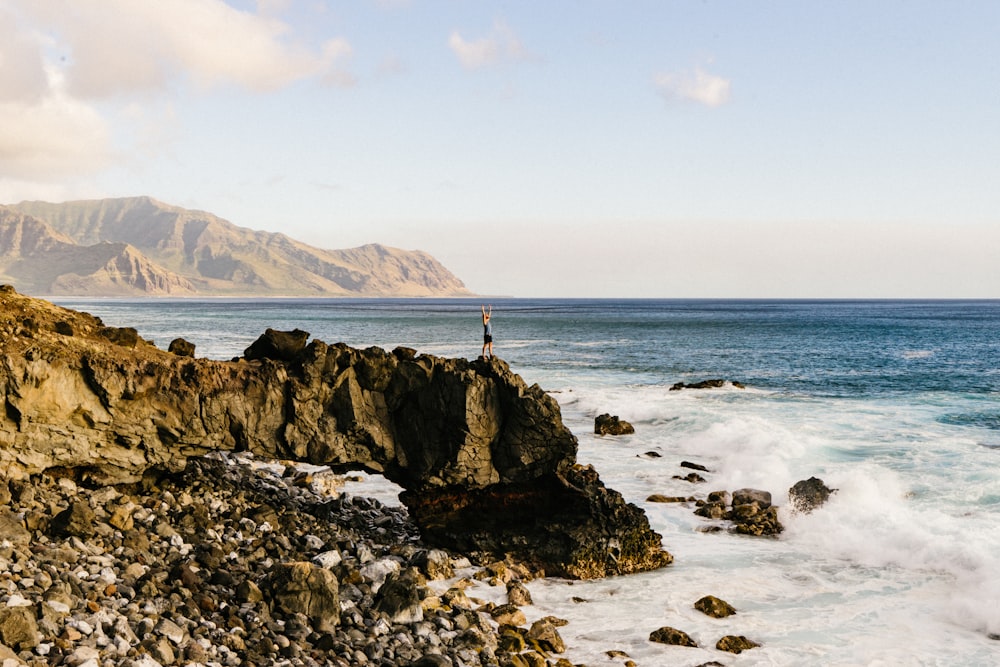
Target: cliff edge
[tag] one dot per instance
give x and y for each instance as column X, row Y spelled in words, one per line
column 488, row 466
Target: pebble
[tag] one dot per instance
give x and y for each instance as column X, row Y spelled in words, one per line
column 175, row 568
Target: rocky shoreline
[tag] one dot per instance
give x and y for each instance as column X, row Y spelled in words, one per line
column 233, row 563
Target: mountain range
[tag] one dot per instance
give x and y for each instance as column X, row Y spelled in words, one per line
column 139, row 246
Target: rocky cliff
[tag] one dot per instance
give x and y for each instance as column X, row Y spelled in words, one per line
column 487, row 464
column 197, row 252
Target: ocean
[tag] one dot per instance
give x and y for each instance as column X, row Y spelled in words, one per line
column 896, row 404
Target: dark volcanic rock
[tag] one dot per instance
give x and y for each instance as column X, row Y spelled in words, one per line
column 277, row 345
column 705, row 384
column 181, row 347
column 487, row 462
column 808, row 494
column 611, row 425
column 568, row 524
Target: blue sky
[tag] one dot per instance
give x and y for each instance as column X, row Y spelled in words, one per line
column 584, row 148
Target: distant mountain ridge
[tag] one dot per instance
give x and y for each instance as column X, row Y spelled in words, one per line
column 140, row 246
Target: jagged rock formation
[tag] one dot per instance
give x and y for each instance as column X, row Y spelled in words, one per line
column 183, row 251
column 487, row 463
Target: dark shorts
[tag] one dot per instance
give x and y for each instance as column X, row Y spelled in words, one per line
column 487, row 339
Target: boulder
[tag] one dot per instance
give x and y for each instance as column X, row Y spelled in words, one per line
column 399, row 598
column 672, row 637
column 714, row 607
column 747, row 496
column 76, row 520
column 808, row 494
column 277, row 345
column 18, row 628
column 304, row 588
column 12, row 528
column 181, row 348
column 735, row 644
column 611, row 425
column 544, row 634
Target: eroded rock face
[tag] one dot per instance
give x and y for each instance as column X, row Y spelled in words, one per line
column 487, row 462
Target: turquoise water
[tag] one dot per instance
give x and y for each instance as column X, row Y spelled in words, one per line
column 895, row 403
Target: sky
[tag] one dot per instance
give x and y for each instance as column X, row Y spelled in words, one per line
column 567, row 148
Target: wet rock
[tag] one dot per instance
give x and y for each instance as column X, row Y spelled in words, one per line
column 672, row 636
column 705, row 384
column 544, row 634
column 508, row 614
column 714, row 607
column 434, row 563
column 694, row 466
column 607, row 424
column 660, row 498
column 518, row 594
column 747, row 496
column 735, row 644
column 808, row 494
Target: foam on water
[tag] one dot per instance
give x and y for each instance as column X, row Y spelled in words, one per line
column 903, row 554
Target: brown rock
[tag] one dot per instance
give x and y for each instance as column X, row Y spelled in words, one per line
column 77, row 520
column 545, row 635
column 735, row 644
column 672, row 636
column 303, row 588
column 18, row 628
column 611, row 425
column 714, row 607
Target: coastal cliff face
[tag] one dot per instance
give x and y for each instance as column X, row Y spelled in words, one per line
column 487, row 464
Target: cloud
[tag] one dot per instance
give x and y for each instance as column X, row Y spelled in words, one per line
column 51, row 138
column 122, row 46
column 66, row 66
column 699, row 87
column 500, row 44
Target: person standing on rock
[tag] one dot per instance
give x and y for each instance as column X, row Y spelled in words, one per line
column 487, row 331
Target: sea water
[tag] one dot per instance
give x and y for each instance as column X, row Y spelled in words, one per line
column 896, row 404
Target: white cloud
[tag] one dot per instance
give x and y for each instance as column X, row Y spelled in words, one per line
column 121, row 46
column 699, row 87
column 500, row 44
column 65, row 66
